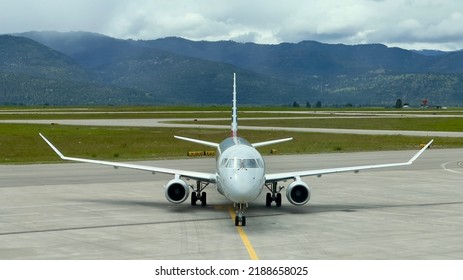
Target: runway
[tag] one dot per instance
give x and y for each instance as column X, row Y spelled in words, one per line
column 81, row 211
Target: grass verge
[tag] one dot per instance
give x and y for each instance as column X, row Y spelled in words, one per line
column 20, row 143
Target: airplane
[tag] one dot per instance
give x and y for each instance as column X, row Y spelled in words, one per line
column 240, row 173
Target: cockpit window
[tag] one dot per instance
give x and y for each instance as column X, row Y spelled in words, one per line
column 239, row 163
column 232, row 163
column 249, row 163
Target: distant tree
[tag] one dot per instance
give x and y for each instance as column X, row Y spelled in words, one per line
column 296, row 105
column 398, row 104
column 307, row 105
column 319, row 104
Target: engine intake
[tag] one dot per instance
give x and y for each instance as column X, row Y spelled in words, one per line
column 177, row 191
column 298, row 193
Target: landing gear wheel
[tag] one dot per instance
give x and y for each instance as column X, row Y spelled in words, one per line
column 240, row 219
column 198, row 194
column 203, row 199
column 278, row 200
column 240, row 222
column 194, row 198
column 273, row 195
column 268, row 200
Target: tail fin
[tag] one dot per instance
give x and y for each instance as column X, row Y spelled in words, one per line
column 234, row 124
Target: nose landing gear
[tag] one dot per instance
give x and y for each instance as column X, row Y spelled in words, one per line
column 240, row 219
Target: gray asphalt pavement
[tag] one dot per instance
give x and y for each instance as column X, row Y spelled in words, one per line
column 81, row 211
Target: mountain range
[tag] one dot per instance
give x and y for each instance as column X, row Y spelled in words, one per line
column 80, row 68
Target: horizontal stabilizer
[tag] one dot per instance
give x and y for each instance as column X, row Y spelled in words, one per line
column 202, row 142
column 266, row 143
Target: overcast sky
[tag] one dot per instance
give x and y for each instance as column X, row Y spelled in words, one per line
column 411, row 24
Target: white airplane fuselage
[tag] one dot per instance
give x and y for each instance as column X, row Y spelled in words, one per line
column 240, row 170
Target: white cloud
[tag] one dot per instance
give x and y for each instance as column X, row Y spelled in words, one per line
column 405, row 23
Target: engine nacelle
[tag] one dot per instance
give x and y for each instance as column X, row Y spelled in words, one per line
column 298, row 193
column 177, row 191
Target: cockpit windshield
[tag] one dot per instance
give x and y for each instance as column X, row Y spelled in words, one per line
column 239, row 163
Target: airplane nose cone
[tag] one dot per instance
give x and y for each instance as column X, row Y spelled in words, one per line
column 244, row 187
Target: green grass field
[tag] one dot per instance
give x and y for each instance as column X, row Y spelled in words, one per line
column 20, row 143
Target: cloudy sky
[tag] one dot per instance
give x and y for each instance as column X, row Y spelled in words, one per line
column 411, row 24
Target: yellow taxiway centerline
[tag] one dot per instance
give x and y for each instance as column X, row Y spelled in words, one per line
column 244, row 237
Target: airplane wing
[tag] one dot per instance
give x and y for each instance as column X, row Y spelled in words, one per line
column 206, row 177
column 292, row 175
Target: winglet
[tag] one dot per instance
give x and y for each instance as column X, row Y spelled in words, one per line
column 420, row 152
column 53, row 147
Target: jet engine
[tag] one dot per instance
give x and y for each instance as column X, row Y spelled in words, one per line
column 177, row 191
column 298, row 193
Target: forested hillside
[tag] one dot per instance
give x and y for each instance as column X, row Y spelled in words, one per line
column 79, row 68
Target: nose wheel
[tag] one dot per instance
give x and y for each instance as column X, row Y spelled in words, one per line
column 240, row 219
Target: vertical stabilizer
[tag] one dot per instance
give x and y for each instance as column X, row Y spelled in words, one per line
column 234, row 124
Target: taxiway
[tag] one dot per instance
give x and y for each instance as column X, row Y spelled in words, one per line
column 170, row 123
column 81, row 211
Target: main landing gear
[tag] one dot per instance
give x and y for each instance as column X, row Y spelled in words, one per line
column 198, row 194
column 273, row 195
column 240, row 219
